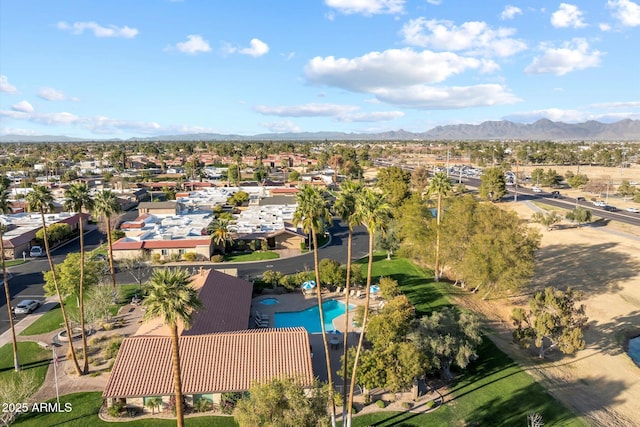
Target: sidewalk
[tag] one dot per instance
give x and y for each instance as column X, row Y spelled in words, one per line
column 28, row 319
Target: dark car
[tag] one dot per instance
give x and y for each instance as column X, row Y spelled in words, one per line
column 556, row 195
column 610, row 208
column 580, row 199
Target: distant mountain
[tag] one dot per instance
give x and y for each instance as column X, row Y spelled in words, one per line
column 543, row 129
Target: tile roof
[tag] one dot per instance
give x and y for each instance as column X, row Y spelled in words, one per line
column 225, row 362
column 226, row 304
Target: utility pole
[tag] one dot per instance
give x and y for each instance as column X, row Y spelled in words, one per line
column 515, row 182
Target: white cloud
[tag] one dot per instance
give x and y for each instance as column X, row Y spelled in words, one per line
column 390, row 68
column 367, row 7
column 257, row 48
column 569, row 116
column 625, row 104
column 604, row 26
column 444, row 98
column 195, row 44
column 626, row 11
column 7, row 87
column 474, row 37
column 434, row 2
column 573, row 55
column 568, row 15
column 305, row 110
column 510, row 12
column 280, row 127
column 51, row 94
column 23, row 106
column 98, row 30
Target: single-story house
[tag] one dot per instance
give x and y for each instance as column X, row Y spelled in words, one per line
column 218, row 354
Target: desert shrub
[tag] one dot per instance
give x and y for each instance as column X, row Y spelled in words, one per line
column 190, row 256
column 228, row 402
column 112, row 349
column 116, row 409
column 217, row 258
column 406, row 405
column 202, row 405
column 174, row 257
column 157, row 258
column 380, row 403
column 431, row 404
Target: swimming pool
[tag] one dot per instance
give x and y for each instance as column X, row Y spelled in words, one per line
column 310, row 318
column 634, row 350
column 269, row 301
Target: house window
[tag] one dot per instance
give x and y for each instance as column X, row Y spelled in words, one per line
column 149, row 399
column 181, row 251
column 164, row 252
column 208, row 397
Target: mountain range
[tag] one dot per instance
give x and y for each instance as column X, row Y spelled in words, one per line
column 544, row 129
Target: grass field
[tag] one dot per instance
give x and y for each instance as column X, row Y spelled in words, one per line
column 253, row 256
column 31, row 357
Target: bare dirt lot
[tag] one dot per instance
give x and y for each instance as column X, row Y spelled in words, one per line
column 600, row 382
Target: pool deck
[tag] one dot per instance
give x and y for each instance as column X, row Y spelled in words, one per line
column 296, row 301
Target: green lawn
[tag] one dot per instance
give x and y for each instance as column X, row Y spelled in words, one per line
column 13, row 262
column 493, row 390
column 254, row 256
column 31, row 357
column 84, row 412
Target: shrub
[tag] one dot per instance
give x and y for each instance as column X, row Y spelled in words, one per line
column 228, row 402
column 157, row 258
column 217, row 258
column 202, row 405
column 431, row 404
column 112, row 349
column 190, row 256
column 116, row 409
column 380, row 403
column 406, row 405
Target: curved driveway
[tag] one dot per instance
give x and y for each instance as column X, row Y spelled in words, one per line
column 27, row 282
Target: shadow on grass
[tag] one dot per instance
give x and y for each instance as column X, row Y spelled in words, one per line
column 593, row 269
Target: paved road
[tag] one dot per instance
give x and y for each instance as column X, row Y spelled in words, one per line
column 27, row 282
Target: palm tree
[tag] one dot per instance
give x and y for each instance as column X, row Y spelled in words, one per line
column 5, row 208
column 41, row 200
column 345, row 207
column 372, row 211
column 312, row 213
column 170, row 297
column 439, row 185
column 78, row 198
column 106, row 205
column 220, row 234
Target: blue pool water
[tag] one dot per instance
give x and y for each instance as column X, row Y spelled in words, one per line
column 634, row 349
column 269, row 301
column 310, row 318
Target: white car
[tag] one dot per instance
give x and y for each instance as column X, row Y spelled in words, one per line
column 599, row 203
column 36, row 251
column 26, row 306
column 633, row 210
column 537, row 189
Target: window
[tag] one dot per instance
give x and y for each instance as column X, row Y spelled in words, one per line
column 164, row 252
column 181, row 251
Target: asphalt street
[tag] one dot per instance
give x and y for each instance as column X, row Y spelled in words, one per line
column 27, row 281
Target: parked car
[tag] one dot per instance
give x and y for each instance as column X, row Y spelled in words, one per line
column 633, row 210
column 537, row 189
column 26, row 306
column 36, row 251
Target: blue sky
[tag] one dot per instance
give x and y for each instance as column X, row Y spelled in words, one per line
column 121, row 68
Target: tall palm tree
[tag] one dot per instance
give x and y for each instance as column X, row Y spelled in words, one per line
column 372, row 211
column 78, row 198
column 5, row 208
column 106, row 205
column 441, row 186
column 41, row 200
column 170, row 297
column 345, row 207
column 220, row 234
column 312, row 213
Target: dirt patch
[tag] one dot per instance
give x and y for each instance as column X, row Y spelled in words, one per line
column 600, row 382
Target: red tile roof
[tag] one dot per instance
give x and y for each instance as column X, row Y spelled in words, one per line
column 226, row 362
column 125, row 245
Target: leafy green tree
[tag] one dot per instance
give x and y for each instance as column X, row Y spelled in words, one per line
column 106, row 205
column 392, row 323
column 172, row 299
column 330, row 272
column 537, row 175
column 577, row 181
column 419, row 179
column 388, row 242
column 373, row 211
column 551, row 178
column 41, row 200
column 312, row 213
column 273, row 277
column 233, row 174
column 79, row 199
column 625, row 189
column 579, row 215
column 5, row 208
column 55, row 233
column 493, row 185
column 67, row 274
column 412, row 225
column 169, row 193
column 458, row 228
column 283, row 403
column 394, row 182
column 440, row 186
column 547, row 219
column 389, row 288
column 552, row 321
column 294, row 176
column 448, row 338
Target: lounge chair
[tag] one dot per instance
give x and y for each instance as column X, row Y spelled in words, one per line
column 262, row 317
column 339, row 290
column 262, row 323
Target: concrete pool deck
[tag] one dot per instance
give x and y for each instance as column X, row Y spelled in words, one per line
column 296, row 301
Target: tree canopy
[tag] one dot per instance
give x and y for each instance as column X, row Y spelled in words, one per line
column 394, row 182
column 554, row 320
column 493, row 184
